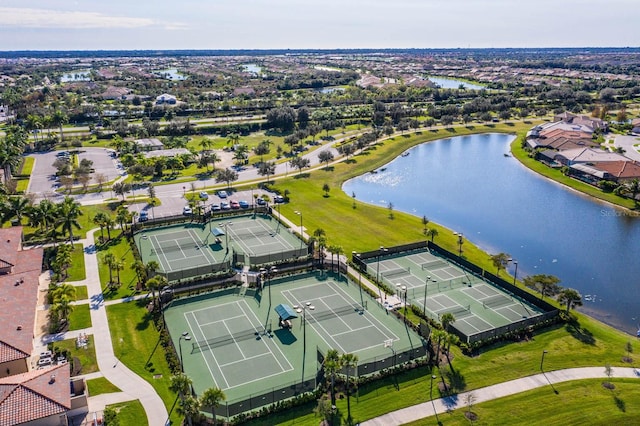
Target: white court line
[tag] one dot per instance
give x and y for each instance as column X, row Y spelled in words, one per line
column 472, row 326
column 193, row 333
column 220, row 320
column 216, row 308
column 158, row 253
column 353, row 329
column 235, row 342
column 199, row 243
column 246, row 359
column 319, row 334
column 279, row 350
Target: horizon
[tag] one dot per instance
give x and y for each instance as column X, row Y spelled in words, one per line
column 69, row 25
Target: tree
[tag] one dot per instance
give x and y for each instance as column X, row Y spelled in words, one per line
column 141, row 271
column 570, row 297
column 227, row 175
column 332, row 364
column 109, row 260
column 547, row 285
column 326, row 189
column 325, row 157
column 349, row 361
column 101, row 219
column 110, row 417
column 233, row 139
column 69, row 212
column 436, row 338
column 446, row 320
column 11, row 149
column 629, row 348
column 500, row 261
column 299, row 163
column 181, row 384
column 262, row 149
column 121, row 188
column 211, row 398
column 390, row 208
column 431, row 232
column 156, row 283
column 267, row 169
column 425, row 222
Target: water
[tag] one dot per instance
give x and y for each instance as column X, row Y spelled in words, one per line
column 171, row 74
column 253, row 69
column 468, row 185
column 450, row 83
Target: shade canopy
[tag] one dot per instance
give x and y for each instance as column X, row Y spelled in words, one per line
column 285, row 312
column 217, row 232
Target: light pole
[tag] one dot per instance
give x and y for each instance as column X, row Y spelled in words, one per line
column 269, row 273
column 353, row 259
column 460, row 241
column 382, row 250
column 515, row 274
column 404, row 291
column 185, row 336
column 226, row 235
column 301, row 237
column 426, row 285
column 542, row 360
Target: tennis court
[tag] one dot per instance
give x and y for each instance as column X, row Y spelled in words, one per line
column 238, row 345
column 197, row 249
column 433, row 283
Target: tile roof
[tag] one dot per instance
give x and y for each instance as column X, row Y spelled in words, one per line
column 18, row 296
column 34, row 395
column 620, row 169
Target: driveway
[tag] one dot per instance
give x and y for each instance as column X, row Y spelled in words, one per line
column 627, row 143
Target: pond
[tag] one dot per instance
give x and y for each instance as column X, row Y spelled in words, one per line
column 84, row 75
column 472, row 185
column 450, row 83
column 171, row 74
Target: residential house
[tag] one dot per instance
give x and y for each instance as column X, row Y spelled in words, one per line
column 166, row 99
column 149, row 144
column 19, row 278
column 115, row 93
column 580, row 156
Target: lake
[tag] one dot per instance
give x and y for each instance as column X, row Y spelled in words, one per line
column 450, row 83
column 468, row 185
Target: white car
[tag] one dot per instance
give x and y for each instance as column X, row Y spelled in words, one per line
column 187, row 210
column 204, row 195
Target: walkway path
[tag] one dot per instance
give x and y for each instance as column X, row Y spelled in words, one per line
column 442, row 405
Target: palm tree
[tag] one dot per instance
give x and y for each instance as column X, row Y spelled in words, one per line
column 18, row 207
column 154, row 283
column 425, row 222
column 233, row 139
column 181, row 384
column 212, row 398
column 141, row 271
column 267, row 169
column 332, row 365
column 431, row 232
column 570, row 298
column 123, row 217
column 189, row 408
column 349, row 361
column 446, row 320
column 450, row 339
column 109, row 260
column 436, row 337
column 69, row 212
column 100, row 219
column 11, row 149
column 118, row 266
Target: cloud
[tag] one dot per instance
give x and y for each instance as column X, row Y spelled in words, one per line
column 44, row 18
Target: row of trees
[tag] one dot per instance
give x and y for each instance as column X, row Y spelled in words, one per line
column 190, row 406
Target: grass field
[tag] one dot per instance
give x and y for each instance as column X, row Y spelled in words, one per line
column 81, row 292
column 76, row 271
column 122, row 251
column 101, row 385
column 80, row 317
column 136, row 343
column 584, row 402
column 86, row 355
column 130, row 413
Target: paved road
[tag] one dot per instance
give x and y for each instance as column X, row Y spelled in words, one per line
column 442, row 405
column 627, row 143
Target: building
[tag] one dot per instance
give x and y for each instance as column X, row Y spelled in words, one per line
column 166, row 99
column 580, row 156
column 151, row 144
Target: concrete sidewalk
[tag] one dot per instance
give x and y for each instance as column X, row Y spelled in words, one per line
column 442, row 405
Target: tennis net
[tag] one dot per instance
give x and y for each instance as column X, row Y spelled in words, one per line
column 176, row 247
column 253, row 234
column 396, row 272
column 434, row 264
column 216, row 342
column 458, row 312
column 497, row 301
column 334, row 313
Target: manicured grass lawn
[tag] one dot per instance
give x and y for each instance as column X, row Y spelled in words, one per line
column 136, row 344
column 101, row 385
column 130, row 413
column 584, row 402
column 22, row 185
column 121, row 249
column 80, row 317
column 76, row 271
column 85, row 221
column 81, row 292
column 86, row 355
column 27, row 166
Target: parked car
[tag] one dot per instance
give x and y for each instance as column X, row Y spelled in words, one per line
column 223, row 194
column 144, row 216
column 243, row 204
column 204, row 195
column 225, row 206
column 261, row 201
column 215, row 207
column 187, row 210
column 278, row 199
column 235, row 204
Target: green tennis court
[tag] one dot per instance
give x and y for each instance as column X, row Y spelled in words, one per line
column 433, row 283
column 238, row 344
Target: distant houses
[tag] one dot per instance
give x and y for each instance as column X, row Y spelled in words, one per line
column 571, row 142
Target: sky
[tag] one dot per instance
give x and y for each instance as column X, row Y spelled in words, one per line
column 315, row 24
